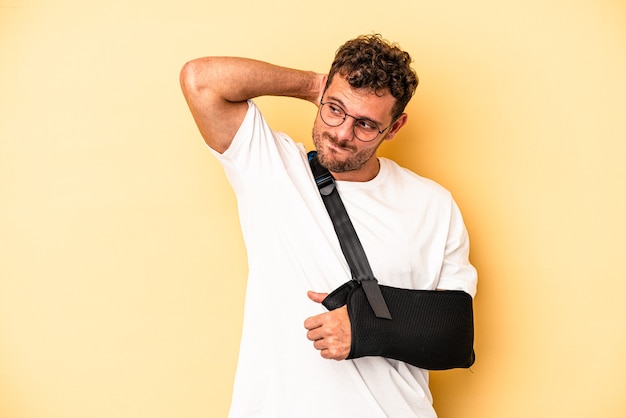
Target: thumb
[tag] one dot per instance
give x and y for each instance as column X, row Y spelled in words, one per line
column 316, row 297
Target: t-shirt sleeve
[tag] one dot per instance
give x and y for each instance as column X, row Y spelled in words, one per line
column 258, row 156
column 457, row 273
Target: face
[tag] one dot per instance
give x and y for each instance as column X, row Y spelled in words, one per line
column 338, row 149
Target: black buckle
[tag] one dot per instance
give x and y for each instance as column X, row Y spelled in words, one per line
column 325, row 183
column 324, row 180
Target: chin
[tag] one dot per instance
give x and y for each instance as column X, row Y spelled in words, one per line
column 331, row 163
column 339, row 160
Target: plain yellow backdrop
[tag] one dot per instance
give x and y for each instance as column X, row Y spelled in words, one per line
column 122, row 269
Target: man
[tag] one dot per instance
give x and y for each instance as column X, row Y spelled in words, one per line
column 410, row 228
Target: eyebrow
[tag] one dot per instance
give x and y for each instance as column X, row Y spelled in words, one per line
column 359, row 117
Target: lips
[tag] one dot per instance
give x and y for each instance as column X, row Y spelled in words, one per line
column 336, row 146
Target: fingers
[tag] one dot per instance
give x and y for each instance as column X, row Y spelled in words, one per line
column 313, row 322
column 328, row 348
column 328, row 353
column 315, row 335
column 330, row 333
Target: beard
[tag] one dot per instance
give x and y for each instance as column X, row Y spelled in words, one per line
column 330, row 159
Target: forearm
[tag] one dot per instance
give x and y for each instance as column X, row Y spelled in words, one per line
column 239, row 79
column 217, row 88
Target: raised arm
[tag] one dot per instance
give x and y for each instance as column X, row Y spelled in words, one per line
column 217, row 88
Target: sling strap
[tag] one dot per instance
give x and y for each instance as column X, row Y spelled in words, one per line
column 348, row 238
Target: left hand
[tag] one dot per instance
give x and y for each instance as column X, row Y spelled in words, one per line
column 329, row 331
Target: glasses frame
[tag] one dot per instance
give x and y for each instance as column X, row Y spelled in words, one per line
column 345, row 115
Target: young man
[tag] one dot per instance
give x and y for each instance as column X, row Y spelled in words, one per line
column 410, row 228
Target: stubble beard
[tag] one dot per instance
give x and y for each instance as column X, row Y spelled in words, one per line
column 326, row 157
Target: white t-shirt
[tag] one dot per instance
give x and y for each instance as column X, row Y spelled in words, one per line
column 414, row 236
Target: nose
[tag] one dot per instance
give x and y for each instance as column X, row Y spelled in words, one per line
column 345, row 131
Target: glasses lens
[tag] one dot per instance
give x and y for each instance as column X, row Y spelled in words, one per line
column 365, row 130
column 332, row 115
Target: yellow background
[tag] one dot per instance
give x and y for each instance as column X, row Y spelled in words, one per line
column 122, row 268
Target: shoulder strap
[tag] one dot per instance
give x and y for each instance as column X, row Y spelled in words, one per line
column 348, row 238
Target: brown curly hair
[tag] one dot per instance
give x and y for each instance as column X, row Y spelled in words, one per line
column 371, row 62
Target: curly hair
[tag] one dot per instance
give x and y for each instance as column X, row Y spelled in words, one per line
column 371, row 62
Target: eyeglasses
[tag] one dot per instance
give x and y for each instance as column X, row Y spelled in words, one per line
column 364, row 130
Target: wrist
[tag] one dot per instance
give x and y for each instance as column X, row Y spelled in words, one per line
column 318, row 85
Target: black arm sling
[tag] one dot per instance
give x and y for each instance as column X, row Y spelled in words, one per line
column 429, row 329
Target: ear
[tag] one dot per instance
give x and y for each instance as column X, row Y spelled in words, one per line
column 395, row 127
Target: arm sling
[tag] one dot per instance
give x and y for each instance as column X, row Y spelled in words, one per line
column 430, row 329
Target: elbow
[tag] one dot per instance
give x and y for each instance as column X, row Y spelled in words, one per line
column 190, row 78
column 199, row 80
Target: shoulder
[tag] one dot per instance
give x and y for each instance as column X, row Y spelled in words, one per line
column 254, row 137
column 410, row 182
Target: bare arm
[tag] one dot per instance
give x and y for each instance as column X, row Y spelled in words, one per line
column 217, row 90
